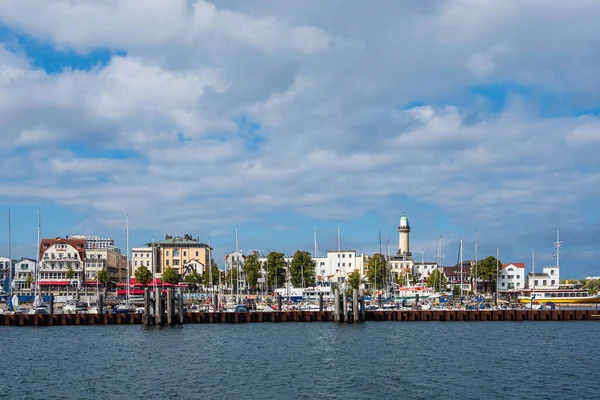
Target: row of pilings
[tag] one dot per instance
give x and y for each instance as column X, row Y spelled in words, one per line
column 297, row 316
column 349, row 310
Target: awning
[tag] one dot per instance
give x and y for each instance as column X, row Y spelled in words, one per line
column 92, row 283
column 48, row 283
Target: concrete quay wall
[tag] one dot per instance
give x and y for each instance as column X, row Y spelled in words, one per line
column 305, row 316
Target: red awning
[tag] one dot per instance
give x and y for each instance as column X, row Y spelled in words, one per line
column 48, row 283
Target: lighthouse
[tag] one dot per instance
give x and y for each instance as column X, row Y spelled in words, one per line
column 404, row 232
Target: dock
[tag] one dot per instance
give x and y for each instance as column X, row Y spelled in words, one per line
column 301, row 316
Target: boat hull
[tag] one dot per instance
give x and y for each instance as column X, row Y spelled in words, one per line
column 562, row 300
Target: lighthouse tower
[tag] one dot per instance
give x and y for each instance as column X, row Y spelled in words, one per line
column 404, row 232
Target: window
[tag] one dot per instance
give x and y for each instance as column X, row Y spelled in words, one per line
column 349, row 264
column 518, row 276
column 343, row 264
column 545, row 282
column 343, row 256
column 147, row 263
column 167, row 262
column 167, row 252
column 511, row 277
column 135, row 263
column 503, row 284
column 553, row 282
column 175, row 262
column 196, row 254
column 536, row 282
column 175, row 253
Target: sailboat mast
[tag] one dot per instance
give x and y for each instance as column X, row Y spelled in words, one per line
column 210, row 268
column 237, row 289
column 10, row 273
column 441, row 259
column 37, row 256
column 476, row 259
column 557, row 247
column 128, row 259
column 461, row 270
column 153, row 267
column 497, row 269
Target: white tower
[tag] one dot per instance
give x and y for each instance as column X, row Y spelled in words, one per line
column 404, row 231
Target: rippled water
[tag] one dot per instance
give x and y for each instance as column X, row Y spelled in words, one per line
column 412, row 360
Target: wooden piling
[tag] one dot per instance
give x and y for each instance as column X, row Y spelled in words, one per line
column 355, row 305
column 158, row 309
column 336, row 315
column 169, row 306
column 51, row 304
column 362, row 305
column 180, row 305
column 147, row 306
column 320, row 302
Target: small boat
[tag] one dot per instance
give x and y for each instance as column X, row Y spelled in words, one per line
column 124, row 307
column 74, row 307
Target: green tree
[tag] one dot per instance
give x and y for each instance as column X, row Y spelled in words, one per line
column 232, row 276
column 277, row 267
column 302, row 266
column 436, row 279
column 143, row 275
column 487, row 272
column 70, row 273
column 103, row 276
column 29, row 279
column 251, row 269
column 194, row 279
column 593, row 286
column 378, row 271
column 169, row 275
column 354, row 279
column 406, row 279
column 216, row 275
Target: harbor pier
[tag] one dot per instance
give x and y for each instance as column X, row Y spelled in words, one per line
column 301, row 316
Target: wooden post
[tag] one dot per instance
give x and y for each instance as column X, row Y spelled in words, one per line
column 51, row 304
column 100, row 304
column 169, row 306
column 345, row 303
column 355, row 304
column 336, row 312
column 320, row 302
column 279, row 303
column 216, row 302
column 146, row 315
column 180, row 305
column 362, row 305
column 158, row 307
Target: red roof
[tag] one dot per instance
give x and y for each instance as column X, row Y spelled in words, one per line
column 48, row 283
column 518, row 265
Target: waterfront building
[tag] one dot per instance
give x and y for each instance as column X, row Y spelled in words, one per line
column 142, row 256
column 454, row 277
column 5, row 265
column 110, row 260
column 549, row 278
column 177, row 252
column 96, row 242
column 422, row 270
column 24, row 269
column 512, row 277
column 58, row 256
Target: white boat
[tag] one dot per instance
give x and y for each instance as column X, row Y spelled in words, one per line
column 73, row 307
column 124, row 307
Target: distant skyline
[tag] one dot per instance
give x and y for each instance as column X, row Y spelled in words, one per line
column 283, row 117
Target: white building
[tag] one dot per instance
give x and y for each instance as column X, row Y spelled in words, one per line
column 23, row 269
column 4, row 268
column 57, row 257
column 548, row 279
column 422, row 269
column 512, row 277
column 112, row 261
column 142, row 256
column 96, row 242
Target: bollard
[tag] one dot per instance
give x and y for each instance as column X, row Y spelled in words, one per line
column 355, row 304
column 320, row 302
column 336, row 315
column 169, row 306
column 146, row 315
column 180, row 305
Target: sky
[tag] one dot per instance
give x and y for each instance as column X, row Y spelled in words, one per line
column 282, row 118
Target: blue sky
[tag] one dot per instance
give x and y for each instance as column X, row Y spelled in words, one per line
column 195, row 117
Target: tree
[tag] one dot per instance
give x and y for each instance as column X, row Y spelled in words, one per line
column 143, row 275
column 171, row 276
column 194, row 279
column 436, row 279
column 70, row 273
column 302, row 268
column 378, row 271
column 354, row 279
column 103, row 276
column 216, row 275
column 487, row 272
column 277, row 267
column 406, row 279
column 251, row 269
column 232, row 276
column 29, row 280
column 593, row 286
